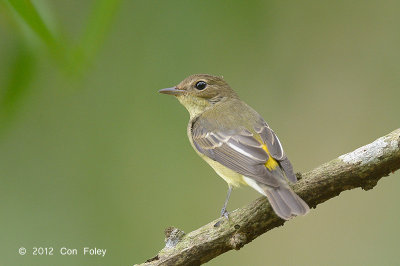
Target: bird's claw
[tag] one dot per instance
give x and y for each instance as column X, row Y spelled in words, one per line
column 224, row 214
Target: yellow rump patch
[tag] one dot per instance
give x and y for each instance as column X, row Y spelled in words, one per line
column 271, row 164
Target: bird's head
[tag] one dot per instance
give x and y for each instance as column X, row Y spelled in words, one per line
column 201, row 91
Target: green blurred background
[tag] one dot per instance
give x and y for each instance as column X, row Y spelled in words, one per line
column 91, row 154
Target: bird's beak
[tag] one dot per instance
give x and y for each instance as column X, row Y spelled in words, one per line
column 171, row 91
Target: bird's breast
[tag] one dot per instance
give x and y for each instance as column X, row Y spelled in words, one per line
column 231, row 177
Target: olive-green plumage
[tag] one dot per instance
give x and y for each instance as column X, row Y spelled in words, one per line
column 237, row 143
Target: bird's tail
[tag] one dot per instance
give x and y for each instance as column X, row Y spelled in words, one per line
column 283, row 200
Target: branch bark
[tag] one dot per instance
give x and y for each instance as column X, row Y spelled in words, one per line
column 362, row 167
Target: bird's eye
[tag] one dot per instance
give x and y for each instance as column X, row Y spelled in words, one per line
column 201, row 85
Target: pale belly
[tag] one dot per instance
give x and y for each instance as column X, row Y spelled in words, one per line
column 231, row 177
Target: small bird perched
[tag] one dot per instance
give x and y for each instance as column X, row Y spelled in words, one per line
column 237, row 143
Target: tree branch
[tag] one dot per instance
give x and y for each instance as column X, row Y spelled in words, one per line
column 360, row 168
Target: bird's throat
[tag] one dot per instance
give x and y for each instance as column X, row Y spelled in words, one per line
column 194, row 105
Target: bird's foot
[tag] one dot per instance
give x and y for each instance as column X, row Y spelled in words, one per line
column 224, row 214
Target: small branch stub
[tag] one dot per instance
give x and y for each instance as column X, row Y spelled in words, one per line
column 172, row 236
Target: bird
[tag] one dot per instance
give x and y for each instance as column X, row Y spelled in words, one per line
column 237, row 143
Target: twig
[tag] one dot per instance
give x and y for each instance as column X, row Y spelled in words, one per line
column 360, row 168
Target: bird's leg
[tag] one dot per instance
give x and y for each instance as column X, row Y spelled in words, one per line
column 224, row 213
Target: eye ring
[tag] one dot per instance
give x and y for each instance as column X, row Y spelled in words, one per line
column 201, row 85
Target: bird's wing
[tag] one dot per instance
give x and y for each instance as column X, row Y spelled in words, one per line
column 269, row 137
column 275, row 149
column 236, row 149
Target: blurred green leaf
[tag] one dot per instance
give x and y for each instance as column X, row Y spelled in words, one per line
column 74, row 60
column 27, row 11
column 17, row 83
column 93, row 37
column 28, row 18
